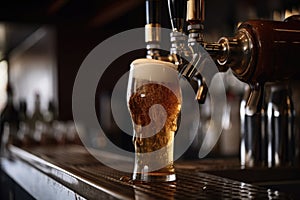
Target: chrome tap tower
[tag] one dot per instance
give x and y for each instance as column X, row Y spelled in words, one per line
column 264, row 54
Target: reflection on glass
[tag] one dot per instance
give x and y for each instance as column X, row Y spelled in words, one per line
column 154, row 102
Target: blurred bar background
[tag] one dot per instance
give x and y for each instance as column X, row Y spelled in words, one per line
column 43, row 43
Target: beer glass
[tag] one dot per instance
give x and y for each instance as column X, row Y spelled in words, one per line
column 154, row 102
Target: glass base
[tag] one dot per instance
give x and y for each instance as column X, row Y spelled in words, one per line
column 154, row 177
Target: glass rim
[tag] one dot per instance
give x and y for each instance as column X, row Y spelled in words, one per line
column 147, row 61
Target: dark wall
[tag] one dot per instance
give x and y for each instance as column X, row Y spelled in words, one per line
column 75, row 41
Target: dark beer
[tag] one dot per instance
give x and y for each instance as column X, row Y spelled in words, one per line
column 140, row 103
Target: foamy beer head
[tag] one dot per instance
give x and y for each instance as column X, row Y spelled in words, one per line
column 154, row 102
column 153, row 86
column 153, row 70
column 145, row 70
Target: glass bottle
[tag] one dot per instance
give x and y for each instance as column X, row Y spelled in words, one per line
column 23, row 132
column 37, row 122
column 50, row 118
column 9, row 116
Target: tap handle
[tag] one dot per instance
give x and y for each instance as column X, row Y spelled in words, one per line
column 195, row 11
column 177, row 11
column 255, row 99
column 153, row 11
column 202, row 89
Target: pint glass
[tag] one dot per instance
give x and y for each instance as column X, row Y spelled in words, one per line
column 154, row 102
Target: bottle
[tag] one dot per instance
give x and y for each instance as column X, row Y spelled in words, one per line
column 23, row 110
column 50, row 118
column 37, row 122
column 51, row 113
column 23, row 132
column 9, row 116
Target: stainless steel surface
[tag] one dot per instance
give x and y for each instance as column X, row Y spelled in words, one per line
column 36, row 183
column 238, row 53
column 268, row 135
column 279, row 123
column 186, row 53
column 254, row 100
column 76, row 169
column 256, row 54
column 251, row 130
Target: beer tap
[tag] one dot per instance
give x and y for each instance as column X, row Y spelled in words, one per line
column 185, row 49
column 257, row 53
column 260, row 51
column 179, row 48
column 234, row 53
column 152, row 28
